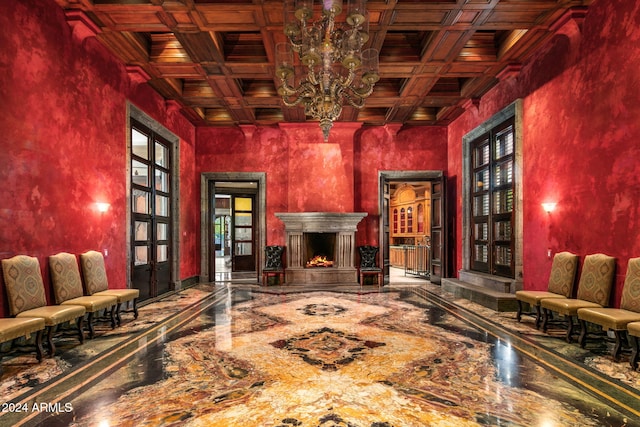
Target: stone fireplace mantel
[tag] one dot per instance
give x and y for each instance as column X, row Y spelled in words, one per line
column 343, row 225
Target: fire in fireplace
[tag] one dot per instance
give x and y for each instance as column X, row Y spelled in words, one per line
column 319, row 261
column 320, row 249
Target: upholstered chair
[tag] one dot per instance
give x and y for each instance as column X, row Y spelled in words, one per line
column 67, row 287
column 616, row 319
column 594, row 289
column 96, row 283
column 25, row 291
column 273, row 265
column 562, row 279
column 369, row 263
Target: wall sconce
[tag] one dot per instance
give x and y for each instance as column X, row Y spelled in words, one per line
column 102, row 206
column 549, row 207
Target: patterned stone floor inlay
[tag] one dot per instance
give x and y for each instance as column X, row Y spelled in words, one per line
column 327, row 348
column 358, row 358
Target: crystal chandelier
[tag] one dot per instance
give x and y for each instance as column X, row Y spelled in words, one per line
column 338, row 70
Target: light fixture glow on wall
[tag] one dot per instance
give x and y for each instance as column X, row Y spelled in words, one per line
column 549, row 206
column 102, row 206
column 338, row 70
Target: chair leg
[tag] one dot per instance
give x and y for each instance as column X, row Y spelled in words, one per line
column 90, row 322
column 39, row 349
column 635, row 351
column 50, row 344
column 519, row 312
column 545, row 320
column 81, row 329
column 538, row 317
column 118, row 316
column 583, row 333
column 618, row 345
column 135, row 308
column 113, row 316
column 569, row 329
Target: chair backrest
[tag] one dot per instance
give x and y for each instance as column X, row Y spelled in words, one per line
column 23, row 281
column 596, row 279
column 368, row 257
column 93, row 272
column 563, row 273
column 273, row 257
column 65, row 277
column 631, row 290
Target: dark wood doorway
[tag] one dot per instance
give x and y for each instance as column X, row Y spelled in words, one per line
column 438, row 233
column 233, row 232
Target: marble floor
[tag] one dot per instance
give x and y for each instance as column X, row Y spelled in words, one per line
column 405, row 355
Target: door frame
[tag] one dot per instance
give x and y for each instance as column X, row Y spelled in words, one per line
column 384, row 177
column 137, row 114
column 209, row 178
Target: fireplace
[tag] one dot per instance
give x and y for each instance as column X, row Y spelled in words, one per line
column 320, row 249
column 325, row 235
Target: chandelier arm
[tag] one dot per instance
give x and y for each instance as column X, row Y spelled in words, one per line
column 358, row 102
column 292, row 103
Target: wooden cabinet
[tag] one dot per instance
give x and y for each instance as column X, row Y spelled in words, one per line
column 409, row 214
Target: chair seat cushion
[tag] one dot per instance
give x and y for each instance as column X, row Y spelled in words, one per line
column 633, row 328
column 534, row 297
column 93, row 303
column 55, row 314
column 12, row 328
column 123, row 295
column 609, row 318
column 567, row 306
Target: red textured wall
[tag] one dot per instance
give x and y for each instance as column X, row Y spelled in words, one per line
column 63, row 122
column 305, row 174
column 581, row 133
column 382, row 149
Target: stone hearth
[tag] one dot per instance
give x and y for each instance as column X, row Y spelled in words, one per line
column 343, row 225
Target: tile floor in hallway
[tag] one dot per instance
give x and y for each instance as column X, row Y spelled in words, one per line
column 243, row 355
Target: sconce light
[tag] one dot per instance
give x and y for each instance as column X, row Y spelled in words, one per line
column 102, row 207
column 549, row 207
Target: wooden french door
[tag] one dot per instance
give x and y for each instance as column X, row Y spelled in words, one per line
column 438, row 231
column 243, row 220
column 493, row 202
column 150, row 212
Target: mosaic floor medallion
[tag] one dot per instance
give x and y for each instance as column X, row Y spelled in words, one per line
column 327, row 348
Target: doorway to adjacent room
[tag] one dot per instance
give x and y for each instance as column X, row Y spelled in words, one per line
column 413, row 225
column 232, row 226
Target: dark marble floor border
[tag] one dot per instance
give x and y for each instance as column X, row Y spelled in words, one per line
column 617, row 394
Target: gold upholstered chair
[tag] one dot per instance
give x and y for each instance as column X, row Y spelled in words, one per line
column 96, row 283
column 25, row 291
column 67, row 287
column 633, row 331
column 616, row 319
column 562, row 279
column 594, row 288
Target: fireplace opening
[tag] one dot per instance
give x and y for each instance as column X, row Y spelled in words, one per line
column 320, row 249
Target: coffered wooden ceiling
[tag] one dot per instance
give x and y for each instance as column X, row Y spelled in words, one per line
column 215, row 59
